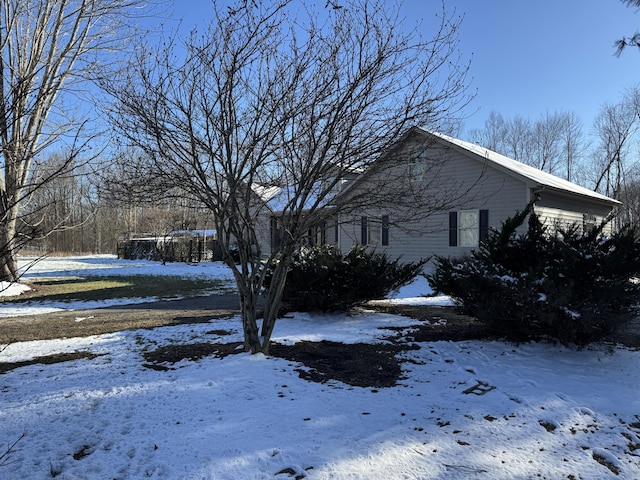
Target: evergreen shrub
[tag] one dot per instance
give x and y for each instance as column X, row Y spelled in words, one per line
column 573, row 287
column 323, row 279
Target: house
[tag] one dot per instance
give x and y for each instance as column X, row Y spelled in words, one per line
column 432, row 194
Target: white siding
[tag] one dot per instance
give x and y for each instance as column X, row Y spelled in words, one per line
column 491, row 190
column 557, row 210
column 494, row 183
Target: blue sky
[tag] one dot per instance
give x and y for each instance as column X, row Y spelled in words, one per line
column 548, row 55
column 529, row 57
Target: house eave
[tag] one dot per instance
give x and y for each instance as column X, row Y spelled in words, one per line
column 596, row 201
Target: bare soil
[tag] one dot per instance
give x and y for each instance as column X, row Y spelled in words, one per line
column 363, row 365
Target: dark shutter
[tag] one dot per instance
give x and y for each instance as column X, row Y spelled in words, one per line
column 336, row 232
column 385, row 230
column 484, row 225
column 364, row 237
column 453, row 229
column 276, row 235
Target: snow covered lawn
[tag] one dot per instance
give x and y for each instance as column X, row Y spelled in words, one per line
column 485, row 410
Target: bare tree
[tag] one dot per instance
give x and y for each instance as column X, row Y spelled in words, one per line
column 282, row 101
column 519, row 142
column 572, row 143
column 615, row 126
column 546, row 143
column 629, row 212
column 493, row 135
column 58, row 205
column 47, row 47
column 554, row 143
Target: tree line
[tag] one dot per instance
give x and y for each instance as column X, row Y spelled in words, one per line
column 94, row 208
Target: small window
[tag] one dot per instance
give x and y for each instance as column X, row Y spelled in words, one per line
column 467, row 228
column 588, row 222
column 336, row 185
column 418, row 166
column 364, row 230
column 375, row 231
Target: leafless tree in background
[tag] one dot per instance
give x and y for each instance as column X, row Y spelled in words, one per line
column 615, row 127
column 285, row 94
column 61, row 203
column 493, row 133
column 553, row 143
column 546, row 135
column 47, row 49
column 572, row 143
column 518, row 142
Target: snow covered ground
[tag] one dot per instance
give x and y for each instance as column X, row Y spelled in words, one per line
column 537, row 410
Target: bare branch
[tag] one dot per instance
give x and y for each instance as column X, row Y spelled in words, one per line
column 48, row 49
column 273, row 108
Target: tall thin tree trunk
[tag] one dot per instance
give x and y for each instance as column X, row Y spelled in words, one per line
column 8, row 261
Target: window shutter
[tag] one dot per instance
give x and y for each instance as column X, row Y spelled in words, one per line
column 453, row 229
column 276, row 235
column 484, row 225
column 364, row 237
column 385, row 230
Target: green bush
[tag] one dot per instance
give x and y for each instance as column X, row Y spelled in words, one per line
column 323, row 279
column 573, row 287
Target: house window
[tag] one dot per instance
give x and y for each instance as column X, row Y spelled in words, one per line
column 317, row 235
column 588, row 222
column 467, row 228
column 418, row 166
column 375, row 230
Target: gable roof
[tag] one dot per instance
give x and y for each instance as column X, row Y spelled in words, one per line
column 528, row 174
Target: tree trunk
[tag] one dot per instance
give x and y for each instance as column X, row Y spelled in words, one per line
column 248, row 308
column 272, row 306
column 255, row 342
column 8, row 261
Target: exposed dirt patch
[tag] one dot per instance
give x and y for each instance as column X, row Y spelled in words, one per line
column 159, row 358
column 48, row 360
column 361, row 364
column 441, row 323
